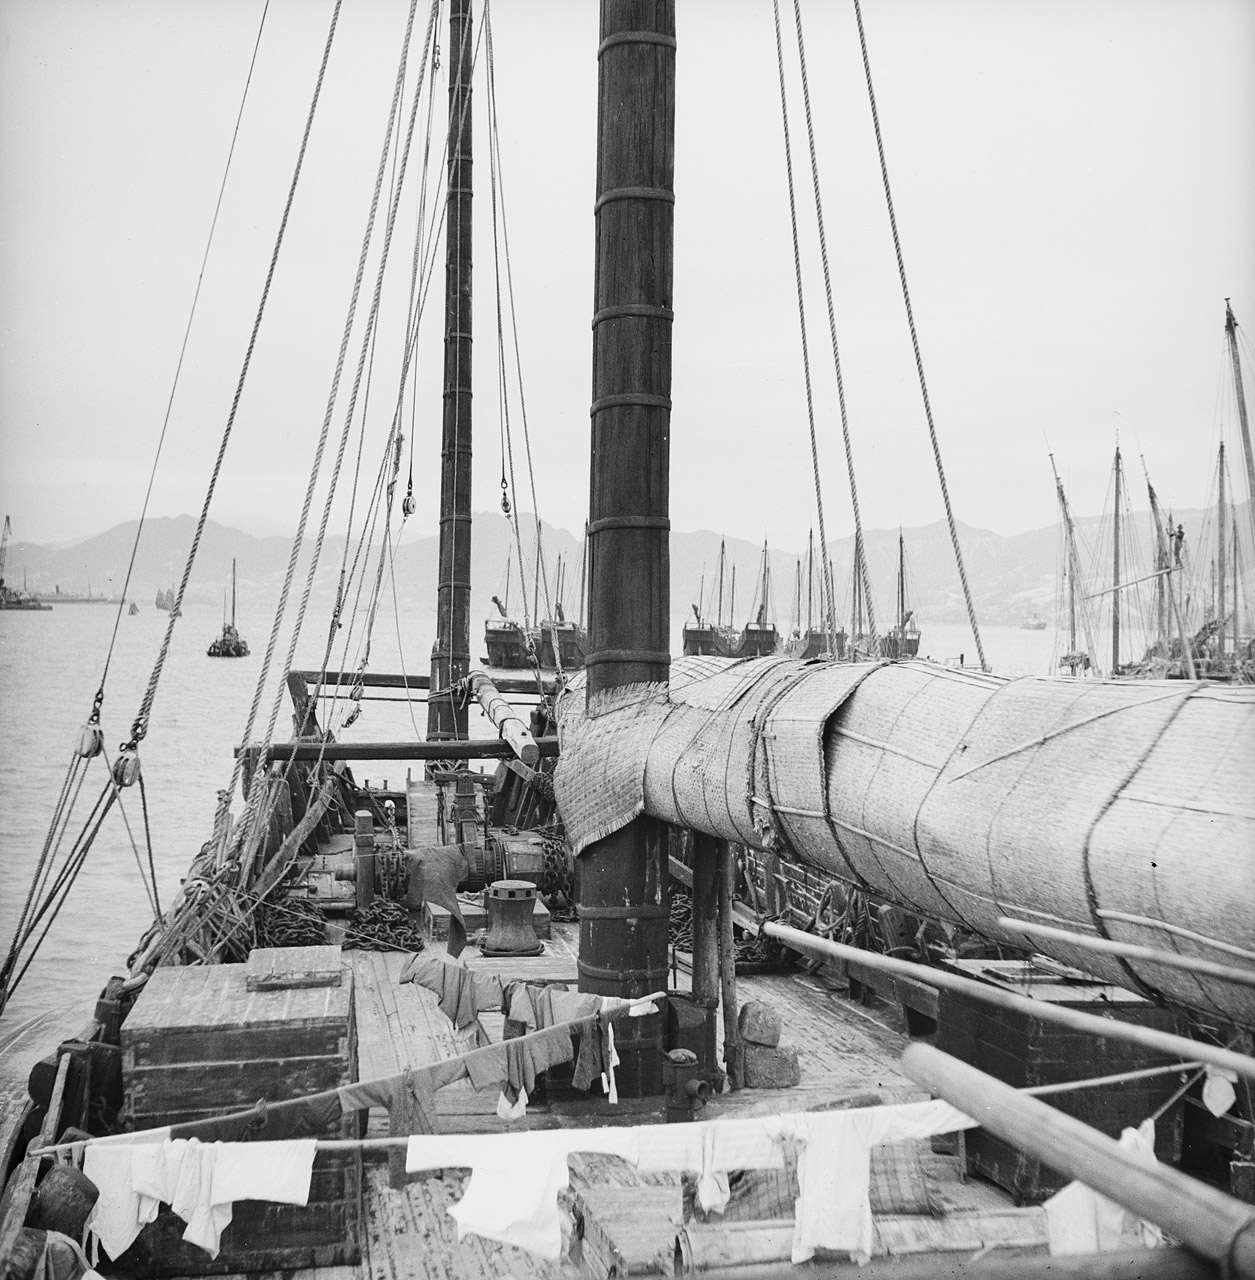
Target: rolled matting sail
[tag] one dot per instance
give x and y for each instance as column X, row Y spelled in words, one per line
column 1118, row 809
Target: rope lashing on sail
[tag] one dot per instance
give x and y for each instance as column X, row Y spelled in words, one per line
column 830, row 621
column 861, row 567
column 919, row 361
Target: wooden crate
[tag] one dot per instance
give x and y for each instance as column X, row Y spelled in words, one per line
column 1024, row 1051
column 199, row 1043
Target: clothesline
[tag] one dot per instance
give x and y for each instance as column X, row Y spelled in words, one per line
column 612, row 1009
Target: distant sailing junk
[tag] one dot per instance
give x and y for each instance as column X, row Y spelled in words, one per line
column 164, row 599
column 757, row 639
column 9, row 598
column 556, row 643
column 230, row 644
column 902, row 642
column 812, row 641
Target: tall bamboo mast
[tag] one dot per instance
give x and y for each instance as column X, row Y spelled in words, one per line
column 623, row 880
column 451, row 654
column 810, row 581
column 1231, row 334
column 1074, row 570
column 1115, row 570
column 1221, row 551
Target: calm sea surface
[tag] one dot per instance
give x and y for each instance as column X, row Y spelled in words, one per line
column 50, row 667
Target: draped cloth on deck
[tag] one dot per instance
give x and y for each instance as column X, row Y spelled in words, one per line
column 1117, row 809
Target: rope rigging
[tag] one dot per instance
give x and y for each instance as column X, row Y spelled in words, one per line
column 919, row 362
column 830, row 616
column 501, row 251
column 861, row 565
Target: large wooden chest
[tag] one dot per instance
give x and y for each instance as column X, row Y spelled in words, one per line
column 1024, row 1051
column 199, row 1042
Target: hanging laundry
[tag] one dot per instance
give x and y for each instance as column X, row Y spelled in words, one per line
column 1218, row 1091
column 1079, row 1220
column 833, row 1209
column 711, row 1149
column 313, row 1117
column 498, row 1203
column 452, row 982
column 528, row 1058
column 199, row 1181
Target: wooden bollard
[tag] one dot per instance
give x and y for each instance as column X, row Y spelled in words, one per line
column 364, row 857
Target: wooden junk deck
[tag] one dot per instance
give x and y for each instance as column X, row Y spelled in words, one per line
column 619, row 1221
column 848, row 1054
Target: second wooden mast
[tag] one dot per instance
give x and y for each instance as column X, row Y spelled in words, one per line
column 451, row 653
column 622, row 880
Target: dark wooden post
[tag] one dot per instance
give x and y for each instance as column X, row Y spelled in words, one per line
column 706, row 873
column 451, row 653
column 733, row 1055
column 623, row 895
column 364, row 858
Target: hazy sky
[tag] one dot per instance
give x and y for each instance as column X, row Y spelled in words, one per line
column 1074, row 183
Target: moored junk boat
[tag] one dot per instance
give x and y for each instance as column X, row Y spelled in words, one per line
column 815, row 723
column 10, row 598
column 230, row 644
column 902, row 640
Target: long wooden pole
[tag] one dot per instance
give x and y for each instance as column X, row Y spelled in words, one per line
column 1208, row 1221
column 1131, row 951
column 706, row 876
column 1231, row 335
column 451, row 653
column 1111, row 1028
column 623, row 879
column 1222, row 548
column 733, row 1052
column 512, row 729
column 1115, row 571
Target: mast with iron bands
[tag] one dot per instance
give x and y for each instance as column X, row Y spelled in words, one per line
column 451, row 654
column 623, row 886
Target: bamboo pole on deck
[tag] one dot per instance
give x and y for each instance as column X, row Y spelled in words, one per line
column 1112, row 1028
column 1132, row 951
column 1211, row 1223
column 733, row 1051
column 706, row 880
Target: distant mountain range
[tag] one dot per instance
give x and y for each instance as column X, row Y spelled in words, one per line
column 1010, row 577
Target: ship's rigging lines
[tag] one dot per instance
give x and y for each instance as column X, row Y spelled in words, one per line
column 860, row 561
